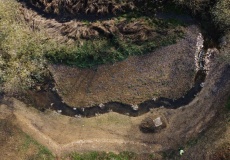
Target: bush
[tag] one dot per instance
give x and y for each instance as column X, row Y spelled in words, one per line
column 22, row 50
column 26, row 49
column 221, row 13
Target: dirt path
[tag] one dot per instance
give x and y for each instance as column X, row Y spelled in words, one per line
column 114, row 132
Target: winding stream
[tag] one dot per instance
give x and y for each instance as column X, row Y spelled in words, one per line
column 55, row 102
column 126, row 109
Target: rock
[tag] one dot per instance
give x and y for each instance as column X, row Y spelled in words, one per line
column 77, row 116
column 135, row 107
column 101, row 105
column 157, row 122
column 152, row 124
column 181, row 152
column 202, row 85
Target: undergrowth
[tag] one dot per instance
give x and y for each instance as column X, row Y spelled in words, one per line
column 93, row 155
column 25, row 51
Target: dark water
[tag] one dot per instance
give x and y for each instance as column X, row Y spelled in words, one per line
column 55, row 102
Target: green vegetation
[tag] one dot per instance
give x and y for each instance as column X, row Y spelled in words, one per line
column 110, row 156
column 221, row 12
column 14, row 140
column 24, row 51
column 102, row 51
column 42, row 152
column 103, row 156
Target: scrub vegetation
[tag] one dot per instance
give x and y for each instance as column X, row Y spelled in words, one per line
column 132, row 29
column 25, row 51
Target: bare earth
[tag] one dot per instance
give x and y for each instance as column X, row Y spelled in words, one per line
column 114, row 132
column 167, row 72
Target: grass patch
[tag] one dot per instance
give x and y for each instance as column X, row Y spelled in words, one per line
column 116, row 48
column 41, row 153
column 111, row 156
column 13, row 139
column 103, row 156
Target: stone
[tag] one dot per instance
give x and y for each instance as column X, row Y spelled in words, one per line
column 101, row 105
column 202, row 85
column 181, row 152
column 152, row 124
column 135, row 107
column 157, row 122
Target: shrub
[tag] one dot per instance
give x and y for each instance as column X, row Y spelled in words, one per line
column 25, row 49
column 221, row 13
column 22, row 48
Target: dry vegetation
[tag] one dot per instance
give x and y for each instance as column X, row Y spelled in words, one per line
column 82, row 6
column 75, row 7
column 24, row 49
column 27, row 40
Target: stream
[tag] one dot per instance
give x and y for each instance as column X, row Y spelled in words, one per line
column 57, row 104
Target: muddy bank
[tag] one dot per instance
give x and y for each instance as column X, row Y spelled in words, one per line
column 48, row 98
column 167, row 72
column 63, row 134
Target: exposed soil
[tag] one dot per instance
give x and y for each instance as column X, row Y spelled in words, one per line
column 114, row 132
column 167, row 72
column 201, row 128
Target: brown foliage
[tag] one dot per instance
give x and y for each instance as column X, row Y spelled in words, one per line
column 82, row 6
